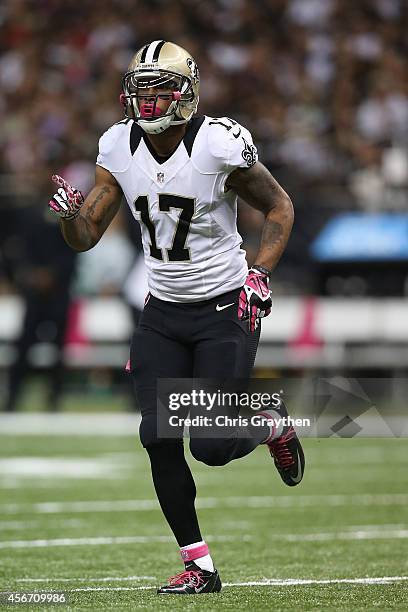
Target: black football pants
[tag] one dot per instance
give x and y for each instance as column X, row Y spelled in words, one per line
column 194, row 340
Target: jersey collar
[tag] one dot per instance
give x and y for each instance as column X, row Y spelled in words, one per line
column 137, row 134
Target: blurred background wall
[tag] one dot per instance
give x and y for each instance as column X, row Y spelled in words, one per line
column 322, row 86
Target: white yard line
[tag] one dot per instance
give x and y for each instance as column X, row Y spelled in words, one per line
column 266, row 583
column 57, row 468
column 138, row 588
column 107, row 540
column 68, row 424
column 103, row 579
column 266, row 501
column 295, row 581
column 361, row 534
column 113, row 424
column 263, row 582
column 37, row 523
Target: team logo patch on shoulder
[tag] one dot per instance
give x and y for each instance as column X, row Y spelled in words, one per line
column 249, row 153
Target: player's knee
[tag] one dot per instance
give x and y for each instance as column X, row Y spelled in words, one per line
column 210, row 452
column 151, row 435
column 165, row 454
column 148, row 432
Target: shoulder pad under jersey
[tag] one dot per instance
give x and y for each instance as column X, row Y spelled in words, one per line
column 114, row 147
column 227, row 146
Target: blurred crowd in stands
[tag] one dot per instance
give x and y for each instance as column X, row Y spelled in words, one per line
column 320, row 83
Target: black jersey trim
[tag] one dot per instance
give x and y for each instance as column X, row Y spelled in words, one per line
column 188, row 140
column 153, row 153
column 191, row 133
column 135, row 137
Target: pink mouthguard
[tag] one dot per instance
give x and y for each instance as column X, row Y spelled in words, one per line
column 146, row 111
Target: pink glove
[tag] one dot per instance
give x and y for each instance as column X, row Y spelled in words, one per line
column 67, row 201
column 255, row 299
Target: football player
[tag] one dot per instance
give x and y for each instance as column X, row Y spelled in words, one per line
column 181, row 174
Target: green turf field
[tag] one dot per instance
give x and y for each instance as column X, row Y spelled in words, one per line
column 77, row 513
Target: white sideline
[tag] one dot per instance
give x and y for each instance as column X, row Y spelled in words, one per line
column 266, row 501
column 106, row 540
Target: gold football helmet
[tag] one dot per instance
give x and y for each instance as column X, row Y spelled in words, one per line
column 160, row 70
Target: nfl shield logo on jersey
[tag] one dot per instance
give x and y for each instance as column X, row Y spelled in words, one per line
column 160, row 177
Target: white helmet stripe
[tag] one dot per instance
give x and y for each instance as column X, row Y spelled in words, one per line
column 151, row 51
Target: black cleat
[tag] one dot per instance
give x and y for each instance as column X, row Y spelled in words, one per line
column 192, row 581
column 286, row 451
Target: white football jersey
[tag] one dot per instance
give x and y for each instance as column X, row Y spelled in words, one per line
column 191, row 244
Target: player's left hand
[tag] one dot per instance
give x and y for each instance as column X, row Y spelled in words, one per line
column 68, row 201
column 255, row 299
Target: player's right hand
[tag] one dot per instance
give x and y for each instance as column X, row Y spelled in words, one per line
column 255, row 301
column 67, row 201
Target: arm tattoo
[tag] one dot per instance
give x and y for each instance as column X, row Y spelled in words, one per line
column 98, row 198
column 99, row 210
column 272, row 233
column 258, row 187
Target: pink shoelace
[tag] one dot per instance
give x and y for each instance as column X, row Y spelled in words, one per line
column 188, row 576
column 280, row 450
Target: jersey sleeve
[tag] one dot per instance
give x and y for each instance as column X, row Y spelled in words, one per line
column 231, row 144
column 114, row 152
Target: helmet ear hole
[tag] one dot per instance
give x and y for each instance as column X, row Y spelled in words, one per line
column 122, row 99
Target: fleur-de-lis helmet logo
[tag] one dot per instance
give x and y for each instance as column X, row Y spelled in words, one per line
column 193, row 69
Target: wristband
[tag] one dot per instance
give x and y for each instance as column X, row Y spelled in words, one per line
column 262, row 270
